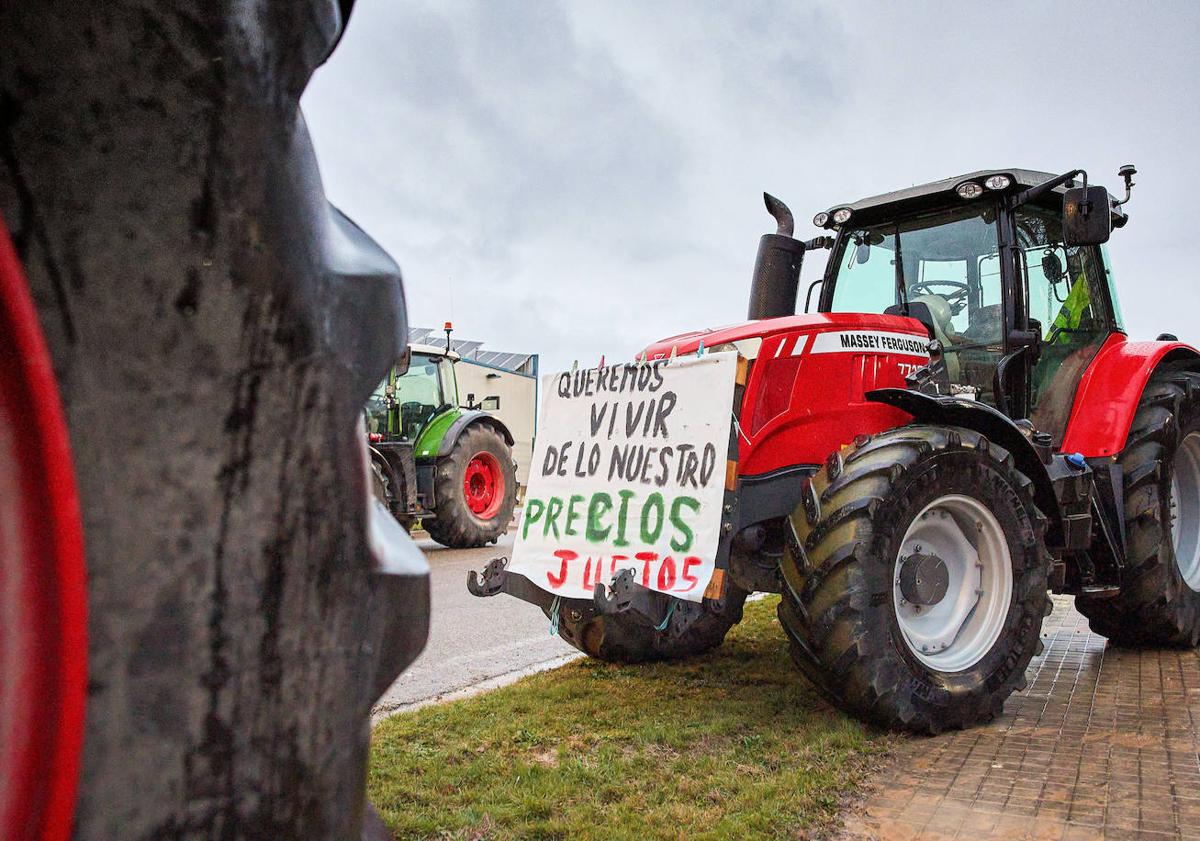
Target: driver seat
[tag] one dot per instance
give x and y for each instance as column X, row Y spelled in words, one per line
column 943, row 330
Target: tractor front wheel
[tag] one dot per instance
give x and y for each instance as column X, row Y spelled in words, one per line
column 1159, row 603
column 915, row 584
column 475, row 487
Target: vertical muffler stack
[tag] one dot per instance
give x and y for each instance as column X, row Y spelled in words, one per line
column 777, row 267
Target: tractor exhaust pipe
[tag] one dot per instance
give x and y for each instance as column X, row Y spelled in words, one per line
column 777, row 267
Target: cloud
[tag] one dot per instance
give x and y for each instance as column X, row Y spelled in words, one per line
column 581, row 178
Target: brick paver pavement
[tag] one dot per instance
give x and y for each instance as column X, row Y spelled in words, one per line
column 1103, row 743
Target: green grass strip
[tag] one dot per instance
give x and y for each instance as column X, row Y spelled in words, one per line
column 732, row 744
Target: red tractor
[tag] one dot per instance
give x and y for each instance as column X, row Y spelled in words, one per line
column 961, row 427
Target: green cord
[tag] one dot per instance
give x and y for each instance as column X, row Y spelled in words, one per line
column 554, row 606
column 662, row 626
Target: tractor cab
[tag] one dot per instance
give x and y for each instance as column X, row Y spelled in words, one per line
column 1018, row 305
column 419, row 389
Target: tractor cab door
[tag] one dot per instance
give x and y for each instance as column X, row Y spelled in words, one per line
column 421, row 395
column 1066, row 290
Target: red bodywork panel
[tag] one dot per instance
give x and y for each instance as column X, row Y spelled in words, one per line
column 1109, row 391
column 805, row 395
column 43, row 602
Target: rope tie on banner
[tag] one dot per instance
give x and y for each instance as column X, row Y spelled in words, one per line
column 662, row 626
column 738, row 427
column 554, row 609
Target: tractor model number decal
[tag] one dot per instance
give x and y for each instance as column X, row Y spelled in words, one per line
column 857, row 341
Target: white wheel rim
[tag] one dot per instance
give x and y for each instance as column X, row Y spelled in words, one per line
column 1185, row 509
column 960, row 629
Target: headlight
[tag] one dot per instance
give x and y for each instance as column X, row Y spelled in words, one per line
column 820, row 219
column 841, row 216
column 968, row 190
column 998, row 182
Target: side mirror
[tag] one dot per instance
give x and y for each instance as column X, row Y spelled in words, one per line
column 403, row 362
column 1087, row 219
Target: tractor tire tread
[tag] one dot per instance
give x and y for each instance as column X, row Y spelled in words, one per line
column 1155, row 606
column 829, row 606
column 629, row 638
column 455, row 525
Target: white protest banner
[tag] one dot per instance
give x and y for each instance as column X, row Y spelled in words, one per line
column 628, row 471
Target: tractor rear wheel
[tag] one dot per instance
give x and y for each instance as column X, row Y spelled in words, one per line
column 915, row 583
column 1159, row 603
column 628, row 638
column 475, row 487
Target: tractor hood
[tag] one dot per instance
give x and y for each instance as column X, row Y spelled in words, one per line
column 747, row 337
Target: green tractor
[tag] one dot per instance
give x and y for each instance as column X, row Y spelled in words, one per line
column 432, row 460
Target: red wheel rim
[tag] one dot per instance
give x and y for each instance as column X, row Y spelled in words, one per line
column 43, row 602
column 483, row 485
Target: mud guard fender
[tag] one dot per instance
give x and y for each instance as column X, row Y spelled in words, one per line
column 466, row 419
column 996, row 426
column 1111, row 387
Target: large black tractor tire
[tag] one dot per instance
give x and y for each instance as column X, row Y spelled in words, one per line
column 1156, row 605
column 381, row 489
column 629, row 638
column 842, row 596
column 456, row 524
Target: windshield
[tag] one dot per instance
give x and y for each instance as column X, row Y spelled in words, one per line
column 949, row 262
column 949, row 265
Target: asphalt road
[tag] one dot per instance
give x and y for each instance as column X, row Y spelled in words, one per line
column 472, row 641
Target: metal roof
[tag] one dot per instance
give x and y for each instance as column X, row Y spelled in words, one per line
column 500, row 359
column 471, row 350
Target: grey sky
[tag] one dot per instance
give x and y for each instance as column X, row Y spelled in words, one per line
column 582, row 178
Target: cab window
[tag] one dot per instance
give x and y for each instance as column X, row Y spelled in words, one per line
column 376, row 409
column 1118, row 318
column 950, row 265
column 1065, row 287
column 419, row 394
column 448, row 383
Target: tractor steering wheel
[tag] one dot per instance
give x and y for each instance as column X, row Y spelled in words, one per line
column 957, row 299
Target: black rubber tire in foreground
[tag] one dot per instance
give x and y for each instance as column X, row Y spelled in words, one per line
column 1155, row 605
column 628, row 638
column 455, row 525
column 838, row 605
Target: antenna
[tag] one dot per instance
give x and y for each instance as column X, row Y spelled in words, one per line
column 1127, row 172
